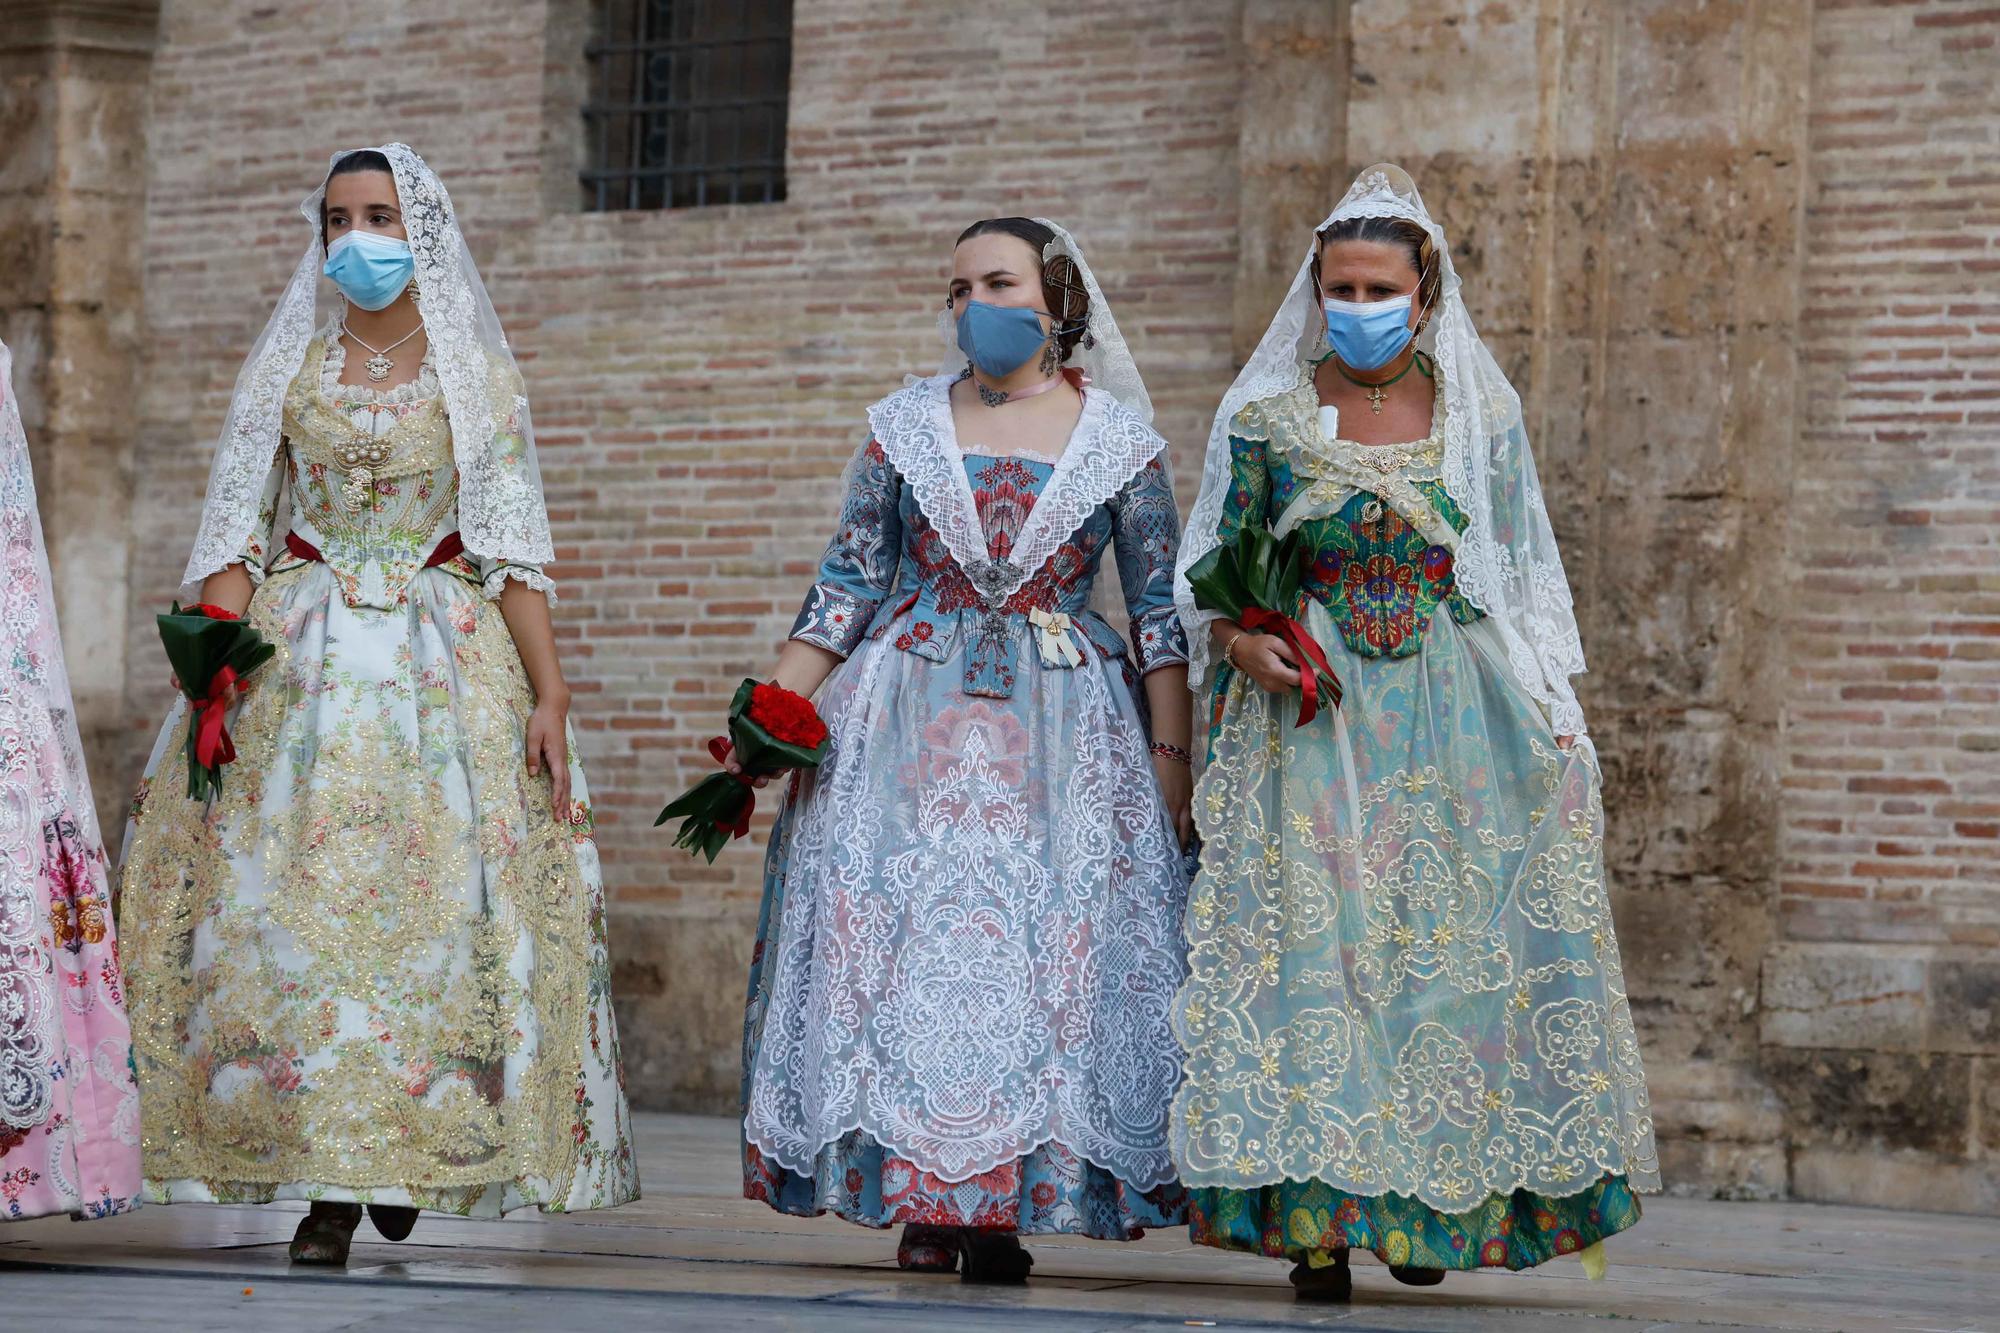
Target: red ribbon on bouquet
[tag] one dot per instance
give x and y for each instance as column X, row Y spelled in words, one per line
column 719, row 749
column 1311, row 655
column 212, row 745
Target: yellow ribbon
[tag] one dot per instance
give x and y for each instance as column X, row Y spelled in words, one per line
column 1594, row 1262
column 1057, row 648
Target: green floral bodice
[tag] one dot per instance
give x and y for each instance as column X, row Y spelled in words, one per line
column 1376, row 520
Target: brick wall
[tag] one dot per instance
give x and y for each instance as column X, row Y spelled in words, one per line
column 698, row 378
column 1882, row 1006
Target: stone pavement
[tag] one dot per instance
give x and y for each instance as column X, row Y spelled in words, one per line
column 692, row 1254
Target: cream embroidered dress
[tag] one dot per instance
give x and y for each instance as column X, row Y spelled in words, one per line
column 374, row 968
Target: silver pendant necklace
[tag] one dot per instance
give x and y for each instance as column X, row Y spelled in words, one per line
column 379, row 365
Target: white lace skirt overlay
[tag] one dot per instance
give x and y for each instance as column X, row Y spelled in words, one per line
column 976, row 941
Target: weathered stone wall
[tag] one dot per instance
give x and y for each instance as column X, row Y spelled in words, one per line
column 1732, row 253
column 72, row 200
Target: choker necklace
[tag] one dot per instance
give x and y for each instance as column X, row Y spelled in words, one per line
column 379, row 365
column 1375, row 394
column 995, row 398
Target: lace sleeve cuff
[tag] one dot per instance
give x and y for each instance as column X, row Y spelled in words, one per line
column 1159, row 640
column 496, row 578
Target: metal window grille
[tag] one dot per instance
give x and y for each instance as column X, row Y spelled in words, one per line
column 688, row 103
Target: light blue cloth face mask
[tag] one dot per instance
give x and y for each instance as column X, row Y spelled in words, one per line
column 1367, row 335
column 999, row 339
column 371, row 270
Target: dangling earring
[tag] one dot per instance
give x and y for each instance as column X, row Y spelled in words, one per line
column 1049, row 354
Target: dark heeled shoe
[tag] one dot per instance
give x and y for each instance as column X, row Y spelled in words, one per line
column 928, row 1249
column 1330, row 1285
column 993, row 1257
column 391, row 1221
column 1416, row 1277
column 325, row 1234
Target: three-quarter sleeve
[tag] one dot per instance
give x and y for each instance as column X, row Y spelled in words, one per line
column 858, row 571
column 262, row 543
column 1146, row 537
column 510, row 445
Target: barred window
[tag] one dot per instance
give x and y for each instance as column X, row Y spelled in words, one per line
column 688, row 103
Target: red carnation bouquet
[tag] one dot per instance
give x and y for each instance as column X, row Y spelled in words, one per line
column 211, row 650
column 771, row 731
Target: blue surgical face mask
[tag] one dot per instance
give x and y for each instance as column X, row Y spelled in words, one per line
column 370, row 269
column 1367, row 335
column 999, row 339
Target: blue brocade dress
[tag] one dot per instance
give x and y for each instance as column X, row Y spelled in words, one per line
column 970, row 935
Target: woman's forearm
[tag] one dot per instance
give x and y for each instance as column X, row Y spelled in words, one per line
column 526, row 611
column 1172, row 706
column 230, row 588
column 803, row 667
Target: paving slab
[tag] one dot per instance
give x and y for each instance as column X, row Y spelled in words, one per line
column 694, row 1254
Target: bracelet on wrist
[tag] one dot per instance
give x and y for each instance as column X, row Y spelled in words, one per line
column 1173, row 752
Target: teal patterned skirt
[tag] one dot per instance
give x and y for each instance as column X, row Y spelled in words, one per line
column 1304, row 1220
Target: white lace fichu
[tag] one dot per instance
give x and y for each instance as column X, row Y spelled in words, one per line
column 1507, row 563
column 1113, row 440
column 1108, row 448
column 501, row 511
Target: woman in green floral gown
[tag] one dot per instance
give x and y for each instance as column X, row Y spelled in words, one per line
column 1405, row 1022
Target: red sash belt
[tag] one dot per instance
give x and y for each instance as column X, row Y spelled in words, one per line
column 450, row 548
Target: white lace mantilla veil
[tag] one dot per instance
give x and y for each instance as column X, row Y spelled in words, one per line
column 37, row 719
column 1506, row 560
column 501, row 511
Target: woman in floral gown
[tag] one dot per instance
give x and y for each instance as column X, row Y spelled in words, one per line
column 69, row 1113
column 958, row 1015
column 372, row 970
column 1405, row 1019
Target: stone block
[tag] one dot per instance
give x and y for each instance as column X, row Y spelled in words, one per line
column 1445, row 60
column 1836, row 995
column 1964, row 1006
column 1691, row 951
column 1696, row 1168
column 1986, row 1091
column 1918, row 1181
column 1679, row 71
column 1673, row 216
column 679, row 983
column 1874, row 1102
column 1665, row 400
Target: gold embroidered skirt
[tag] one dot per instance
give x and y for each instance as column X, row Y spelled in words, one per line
column 374, row 967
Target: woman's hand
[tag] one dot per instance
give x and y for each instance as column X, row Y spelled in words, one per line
column 736, row 770
column 548, row 747
column 1268, row 660
column 1564, row 742
column 1177, row 793
column 229, row 697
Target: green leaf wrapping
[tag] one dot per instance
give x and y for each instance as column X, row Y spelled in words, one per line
column 198, row 647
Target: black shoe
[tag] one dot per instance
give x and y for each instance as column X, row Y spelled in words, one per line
column 391, row 1222
column 1331, row 1285
column 992, row 1257
column 1416, row 1277
column 325, row 1233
